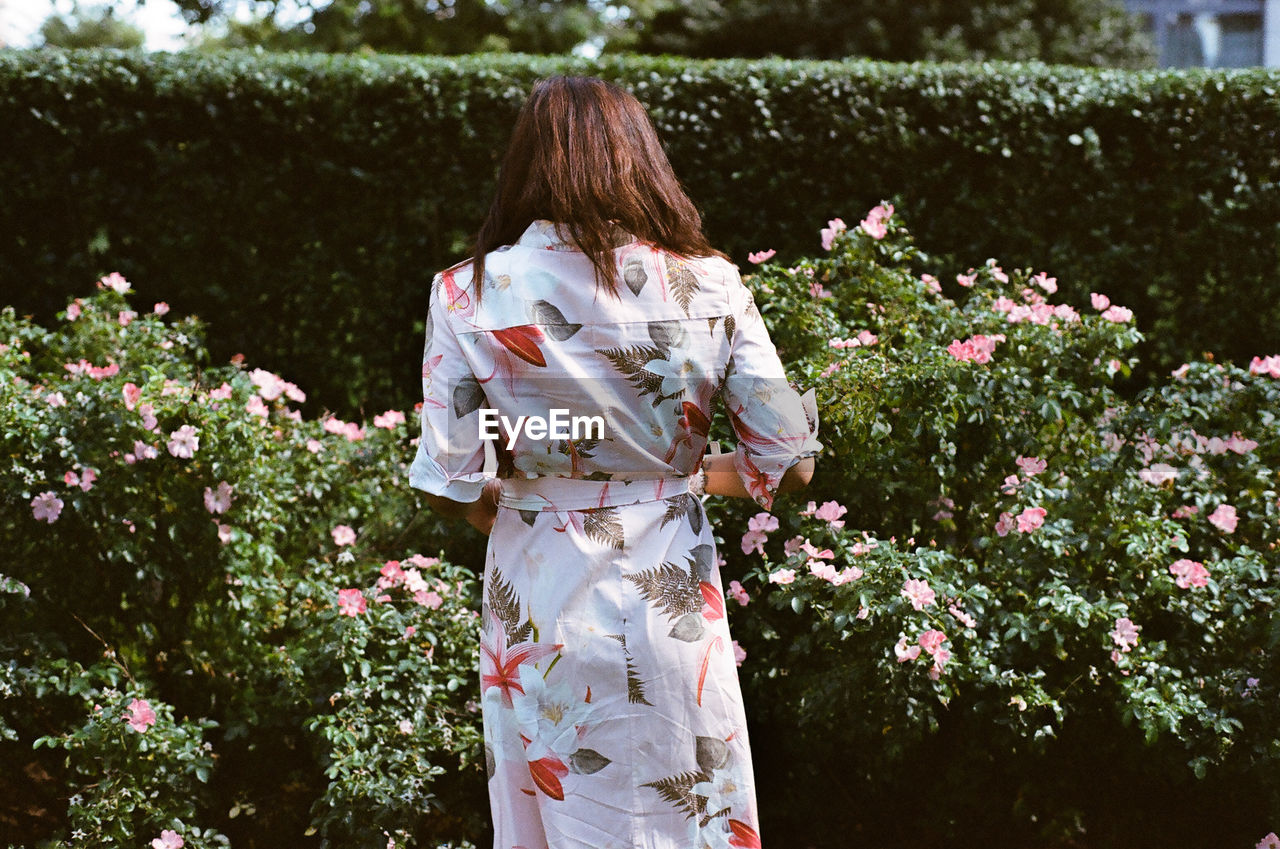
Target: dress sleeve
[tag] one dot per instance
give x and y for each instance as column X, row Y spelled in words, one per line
column 775, row 426
column 450, row 458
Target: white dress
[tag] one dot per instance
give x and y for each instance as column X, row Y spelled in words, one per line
column 613, row 717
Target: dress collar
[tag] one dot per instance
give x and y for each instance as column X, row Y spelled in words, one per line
column 544, row 235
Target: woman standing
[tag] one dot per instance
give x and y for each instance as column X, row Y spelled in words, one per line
column 613, row 717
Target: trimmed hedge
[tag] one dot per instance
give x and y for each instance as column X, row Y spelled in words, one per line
column 301, row 203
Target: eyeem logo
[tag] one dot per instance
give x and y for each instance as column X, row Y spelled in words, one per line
column 557, row 425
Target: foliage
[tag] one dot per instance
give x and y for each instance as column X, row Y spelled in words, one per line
column 1078, row 32
column 95, row 26
column 1098, row 629
column 301, row 204
column 1008, row 512
column 248, row 643
column 397, row 26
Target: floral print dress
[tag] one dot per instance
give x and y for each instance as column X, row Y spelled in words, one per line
column 613, row 717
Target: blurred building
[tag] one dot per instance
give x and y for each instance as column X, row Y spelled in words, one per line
column 1213, row 33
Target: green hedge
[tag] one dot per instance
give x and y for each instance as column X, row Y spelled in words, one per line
column 300, row 203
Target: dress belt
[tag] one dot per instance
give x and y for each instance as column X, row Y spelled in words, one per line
column 553, row 493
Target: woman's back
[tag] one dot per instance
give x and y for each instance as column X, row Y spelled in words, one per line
column 626, row 384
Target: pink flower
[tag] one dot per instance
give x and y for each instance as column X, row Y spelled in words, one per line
column 1190, row 573
column 875, row 224
column 87, row 477
column 46, row 507
column 1044, row 281
column 967, row 280
column 257, row 407
column 224, row 533
column 114, row 281
column 1030, row 519
column 739, row 654
column 822, row 554
column 1268, row 366
column 765, row 522
column 1004, row 305
column 218, row 501
column 939, row 661
column 761, row 256
column 1004, row 524
column 140, row 715
column 184, row 442
column 124, row 317
column 1125, row 634
column 1011, row 485
column 782, row 576
column 997, row 273
column 222, row 393
column 1100, row 302
column 847, row 574
column 965, row 618
column 131, row 394
column 754, row 541
column 343, row 535
column 977, row 348
column 1239, row 444
column 389, row 419
column 55, row 399
column 351, row 602
column 830, row 370
column 270, row 385
column 817, row 290
column 1224, row 518
column 738, row 593
column 73, row 310
column 71, row 479
column 830, row 512
column 143, row 451
column 315, row 446
column 796, row 543
column 1031, row 466
column 1118, row 315
column 1269, row 842
column 931, row 283
column 1158, row 474
column 1186, row 511
column 168, row 839
column 918, row 593
column 428, row 598
column 834, row 227
column 392, row 574
column 905, row 653
column 161, row 308
column 149, row 421
column 823, row 570
column 932, row 640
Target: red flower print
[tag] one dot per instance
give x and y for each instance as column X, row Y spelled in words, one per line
column 522, row 340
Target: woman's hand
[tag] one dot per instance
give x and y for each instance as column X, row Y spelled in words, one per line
column 723, row 478
column 480, row 514
column 484, row 511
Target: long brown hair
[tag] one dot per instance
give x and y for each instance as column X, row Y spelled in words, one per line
column 584, row 154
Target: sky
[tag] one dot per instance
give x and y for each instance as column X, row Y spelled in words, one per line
column 159, row 19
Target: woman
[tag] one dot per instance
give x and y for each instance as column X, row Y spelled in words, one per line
column 613, row 717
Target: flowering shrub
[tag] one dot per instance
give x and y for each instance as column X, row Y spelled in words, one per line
column 1003, row 553
column 214, row 606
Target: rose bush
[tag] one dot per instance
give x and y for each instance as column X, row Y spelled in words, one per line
column 1009, row 569
column 214, row 607
column 1018, row 577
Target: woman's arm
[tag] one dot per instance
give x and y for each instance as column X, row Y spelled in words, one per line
column 723, row 478
column 480, row 514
